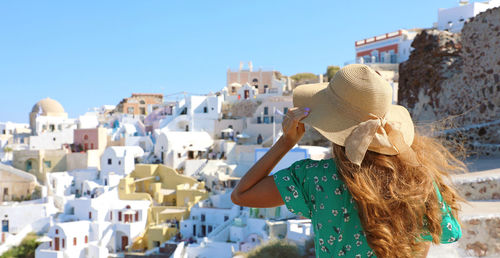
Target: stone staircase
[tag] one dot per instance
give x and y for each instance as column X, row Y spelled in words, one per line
column 480, row 217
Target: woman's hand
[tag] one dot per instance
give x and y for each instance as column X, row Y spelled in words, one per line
column 256, row 188
column 293, row 129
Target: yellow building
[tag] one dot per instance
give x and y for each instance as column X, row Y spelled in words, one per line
column 173, row 196
column 40, row 162
column 15, row 184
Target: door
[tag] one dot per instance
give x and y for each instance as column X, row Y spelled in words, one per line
column 124, row 242
column 56, row 243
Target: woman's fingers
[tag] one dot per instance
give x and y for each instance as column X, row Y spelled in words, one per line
column 297, row 114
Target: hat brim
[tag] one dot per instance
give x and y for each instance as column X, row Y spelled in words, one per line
column 335, row 125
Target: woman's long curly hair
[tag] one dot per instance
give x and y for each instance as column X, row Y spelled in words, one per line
column 394, row 197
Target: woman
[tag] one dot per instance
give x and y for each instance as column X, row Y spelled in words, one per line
column 378, row 196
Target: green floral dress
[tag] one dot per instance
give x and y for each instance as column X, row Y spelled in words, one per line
column 313, row 189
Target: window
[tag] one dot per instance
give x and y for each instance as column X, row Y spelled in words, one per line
column 48, row 163
column 209, row 229
column 202, row 217
column 63, row 242
column 142, row 102
column 86, row 146
column 119, row 162
column 226, row 217
column 59, row 127
column 130, row 110
column 109, row 161
column 179, row 155
column 143, row 110
column 205, row 110
column 86, row 137
column 92, row 146
column 119, row 216
column 52, row 128
column 6, row 191
column 255, row 80
column 266, row 110
column 57, row 231
column 74, row 240
column 86, row 239
column 90, row 215
column 136, row 216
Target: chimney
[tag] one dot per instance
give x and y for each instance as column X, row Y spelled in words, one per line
column 241, row 66
column 250, row 66
column 320, row 78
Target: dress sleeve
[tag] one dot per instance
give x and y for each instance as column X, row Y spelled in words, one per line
column 290, row 183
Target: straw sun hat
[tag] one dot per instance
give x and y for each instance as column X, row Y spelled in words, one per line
column 355, row 110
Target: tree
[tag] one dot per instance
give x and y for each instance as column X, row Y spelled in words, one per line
column 304, row 76
column 331, row 70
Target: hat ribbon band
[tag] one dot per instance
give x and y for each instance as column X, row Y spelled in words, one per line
column 372, row 131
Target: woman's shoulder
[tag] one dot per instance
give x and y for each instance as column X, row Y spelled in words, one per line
column 308, row 164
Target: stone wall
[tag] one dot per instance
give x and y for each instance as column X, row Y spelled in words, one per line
column 453, row 81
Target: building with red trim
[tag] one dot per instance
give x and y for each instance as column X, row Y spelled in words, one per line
column 392, row 48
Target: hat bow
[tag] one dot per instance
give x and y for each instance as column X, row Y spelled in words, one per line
column 377, row 133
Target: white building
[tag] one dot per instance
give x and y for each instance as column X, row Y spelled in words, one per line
column 194, row 113
column 88, row 120
column 68, row 239
column 94, row 227
column 266, row 121
column 9, row 128
column 144, row 142
column 299, row 230
column 51, row 140
column 453, row 19
column 207, row 215
column 47, row 116
column 174, row 147
column 119, row 160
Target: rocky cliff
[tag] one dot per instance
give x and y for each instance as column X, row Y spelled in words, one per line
column 453, row 81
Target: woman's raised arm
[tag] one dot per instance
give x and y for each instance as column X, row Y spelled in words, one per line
column 256, row 188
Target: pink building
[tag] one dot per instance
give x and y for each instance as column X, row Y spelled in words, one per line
column 90, row 139
column 262, row 80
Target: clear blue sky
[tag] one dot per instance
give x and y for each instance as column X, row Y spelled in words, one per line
column 90, row 53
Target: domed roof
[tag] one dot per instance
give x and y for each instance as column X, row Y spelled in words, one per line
column 48, row 106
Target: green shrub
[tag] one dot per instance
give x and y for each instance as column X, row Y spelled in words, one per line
column 25, row 250
column 275, row 249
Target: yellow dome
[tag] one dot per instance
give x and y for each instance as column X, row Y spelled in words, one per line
column 48, row 106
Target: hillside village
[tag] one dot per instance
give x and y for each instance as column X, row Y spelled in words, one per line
column 153, row 174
